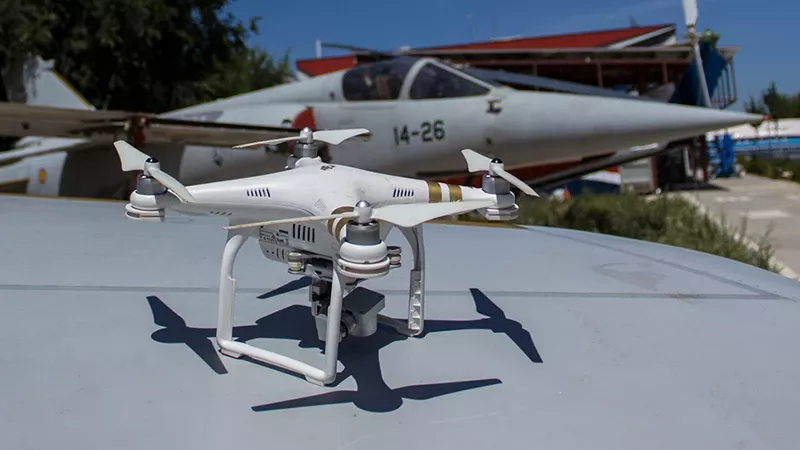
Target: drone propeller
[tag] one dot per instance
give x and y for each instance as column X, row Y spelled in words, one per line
column 477, row 163
column 333, row 137
column 403, row 215
column 132, row 159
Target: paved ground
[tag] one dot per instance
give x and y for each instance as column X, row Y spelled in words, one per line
column 765, row 203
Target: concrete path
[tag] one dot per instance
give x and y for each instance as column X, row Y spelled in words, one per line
column 764, row 202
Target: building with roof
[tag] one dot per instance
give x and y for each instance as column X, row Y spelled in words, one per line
column 639, row 59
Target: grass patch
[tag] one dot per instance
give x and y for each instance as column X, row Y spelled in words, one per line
column 664, row 219
column 776, row 168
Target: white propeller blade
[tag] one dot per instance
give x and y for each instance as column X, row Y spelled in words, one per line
column 477, row 163
column 336, row 137
column 129, row 156
column 333, row 137
column 404, row 215
column 499, row 171
column 268, row 142
column 410, row 214
column 172, row 184
column 290, row 220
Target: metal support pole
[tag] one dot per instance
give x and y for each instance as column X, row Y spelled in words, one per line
column 701, row 73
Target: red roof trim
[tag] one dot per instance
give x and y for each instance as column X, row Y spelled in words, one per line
column 585, row 40
column 573, row 40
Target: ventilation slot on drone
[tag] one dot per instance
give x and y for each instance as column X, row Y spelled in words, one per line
column 220, row 213
column 258, row 192
column 304, row 233
column 402, row 193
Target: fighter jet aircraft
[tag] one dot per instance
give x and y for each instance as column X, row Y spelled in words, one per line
column 421, row 113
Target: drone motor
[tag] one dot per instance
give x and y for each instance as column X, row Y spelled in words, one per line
column 145, row 201
column 506, row 208
column 363, row 254
column 306, row 147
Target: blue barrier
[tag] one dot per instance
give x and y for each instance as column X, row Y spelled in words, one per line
column 767, row 147
column 721, row 154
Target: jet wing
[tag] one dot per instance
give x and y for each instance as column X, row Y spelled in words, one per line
column 104, row 126
column 590, row 165
column 552, row 180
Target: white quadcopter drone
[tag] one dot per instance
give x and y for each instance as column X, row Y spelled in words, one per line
column 325, row 221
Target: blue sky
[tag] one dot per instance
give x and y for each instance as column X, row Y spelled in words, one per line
column 762, row 29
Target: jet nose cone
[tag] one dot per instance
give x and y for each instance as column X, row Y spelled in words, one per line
column 663, row 121
column 580, row 125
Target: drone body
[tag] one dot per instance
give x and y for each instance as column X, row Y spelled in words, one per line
column 325, row 221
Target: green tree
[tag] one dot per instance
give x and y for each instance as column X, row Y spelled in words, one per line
column 143, row 55
column 775, row 103
column 754, row 106
column 711, row 37
column 252, row 70
column 24, row 29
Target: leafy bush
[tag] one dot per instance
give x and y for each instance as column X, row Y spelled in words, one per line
column 784, row 168
column 664, row 219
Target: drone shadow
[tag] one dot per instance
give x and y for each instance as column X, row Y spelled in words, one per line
column 294, row 285
column 359, row 356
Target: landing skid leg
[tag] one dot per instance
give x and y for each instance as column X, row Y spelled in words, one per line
column 227, row 294
column 229, row 347
column 333, row 334
column 415, row 323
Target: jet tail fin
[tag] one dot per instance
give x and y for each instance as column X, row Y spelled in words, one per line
column 34, row 81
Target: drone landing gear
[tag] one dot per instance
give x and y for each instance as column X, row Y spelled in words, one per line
column 340, row 307
column 236, row 349
column 415, row 322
